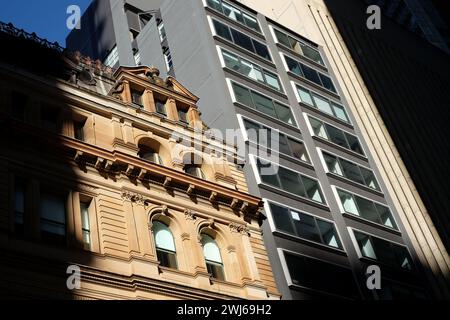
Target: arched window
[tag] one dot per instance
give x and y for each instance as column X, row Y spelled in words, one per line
column 149, row 154
column 194, row 170
column 165, row 245
column 213, row 258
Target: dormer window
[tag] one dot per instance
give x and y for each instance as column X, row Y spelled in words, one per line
column 182, row 115
column 160, row 106
column 136, row 97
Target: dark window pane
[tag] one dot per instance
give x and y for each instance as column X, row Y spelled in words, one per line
column 268, row 173
column 298, row 150
column 261, row 50
column 282, row 38
column 403, row 257
column 222, row 30
column 311, row 74
column 351, row 171
column 281, row 218
column 290, row 182
column 329, row 234
column 167, row 259
column 312, row 54
column 243, row 95
column 282, row 146
column 251, row 22
column 386, row 216
column 312, row 189
column 53, row 218
column 78, row 128
column 160, row 106
column 216, row 270
column 242, row 40
column 369, row 179
column 354, row 143
column 293, row 66
column 336, row 136
column 284, row 114
column 182, row 115
column 215, row 4
column 327, row 83
column 305, row 226
column 367, row 209
column 264, row 104
column 384, row 251
column 136, row 97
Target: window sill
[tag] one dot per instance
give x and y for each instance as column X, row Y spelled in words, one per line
column 371, row 223
column 217, row 14
column 334, row 145
column 257, row 83
column 355, row 184
column 328, row 116
column 270, row 118
column 324, row 90
column 245, row 51
column 309, row 242
column 294, row 196
column 302, row 58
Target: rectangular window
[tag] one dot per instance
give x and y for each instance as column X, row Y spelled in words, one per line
column 19, row 207
column 182, row 115
column 242, row 40
column 309, row 73
column 277, row 141
column 351, row 171
column 113, row 58
column 160, row 106
column 50, row 117
column 263, row 104
column 85, row 225
column 289, row 181
column 322, row 104
column 78, row 130
column 251, row 70
column 234, row 13
column 162, row 32
column 18, row 104
column 136, row 97
column 366, row 209
column 53, row 218
column 335, row 135
column 384, row 251
column 168, row 59
column 321, row 276
column 299, row 47
column 305, row 226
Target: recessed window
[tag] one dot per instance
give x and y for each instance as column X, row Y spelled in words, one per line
column 50, row 117
column 165, row 245
column 53, row 218
column 182, row 115
column 305, row 226
column 242, row 40
column 275, row 140
column 299, row 47
column 234, row 13
column 350, row 170
column 149, row 154
column 136, row 97
column 85, row 224
column 289, row 181
column 384, row 251
column 19, row 207
column 78, row 130
column 160, row 106
column 168, row 59
column 213, row 258
column 263, row 104
column 18, row 105
column 251, row 70
column 321, row 276
column 304, row 71
column 366, row 209
column 162, row 32
column 323, row 104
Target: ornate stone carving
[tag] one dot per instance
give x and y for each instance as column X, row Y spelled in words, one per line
column 239, row 228
column 189, row 215
column 134, row 197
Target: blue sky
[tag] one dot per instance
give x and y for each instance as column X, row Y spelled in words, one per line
column 47, row 18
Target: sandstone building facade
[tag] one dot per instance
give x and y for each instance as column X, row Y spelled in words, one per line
column 109, row 172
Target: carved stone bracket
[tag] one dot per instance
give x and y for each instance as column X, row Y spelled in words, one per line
column 189, row 215
column 239, row 228
column 134, row 197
